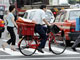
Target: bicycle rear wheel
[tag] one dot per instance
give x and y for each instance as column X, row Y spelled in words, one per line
column 27, row 47
column 58, row 45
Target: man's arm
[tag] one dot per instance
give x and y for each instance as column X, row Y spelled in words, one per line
column 46, row 22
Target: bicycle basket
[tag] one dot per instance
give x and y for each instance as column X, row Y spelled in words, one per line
column 26, row 29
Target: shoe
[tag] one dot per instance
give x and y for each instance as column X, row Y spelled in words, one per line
column 74, row 49
column 14, row 49
column 3, row 47
column 40, row 50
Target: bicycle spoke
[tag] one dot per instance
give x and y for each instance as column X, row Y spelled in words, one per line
column 26, row 48
column 58, row 45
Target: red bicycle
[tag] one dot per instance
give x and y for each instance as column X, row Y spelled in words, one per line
column 30, row 41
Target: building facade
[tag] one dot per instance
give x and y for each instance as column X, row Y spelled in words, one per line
column 29, row 2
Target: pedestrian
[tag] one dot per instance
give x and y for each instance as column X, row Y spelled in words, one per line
column 38, row 18
column 10, row 28
column 5, row 21
column 50, row 18
column 76, row 43
column 5, row 17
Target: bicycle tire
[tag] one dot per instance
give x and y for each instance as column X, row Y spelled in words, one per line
column 24, row 47
column 57, row 46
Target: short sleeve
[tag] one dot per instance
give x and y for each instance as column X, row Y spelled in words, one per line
column 11, row 15
column 43, row 15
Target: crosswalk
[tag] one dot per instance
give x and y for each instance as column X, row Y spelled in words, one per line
column 9, row 52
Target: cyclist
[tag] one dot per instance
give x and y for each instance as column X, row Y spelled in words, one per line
column 38, row 18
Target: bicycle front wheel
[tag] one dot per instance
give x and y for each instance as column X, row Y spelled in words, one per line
column 58, row 45
column 27, row 47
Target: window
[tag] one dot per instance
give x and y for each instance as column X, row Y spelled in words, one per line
column 25, row 15
column 31, row 15
column 62, row 17
column 73, row 1
column 1, row 12
column 74, row 14
column 2, row 8
column 57, row 18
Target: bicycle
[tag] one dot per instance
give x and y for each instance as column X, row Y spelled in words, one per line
column 30, row 42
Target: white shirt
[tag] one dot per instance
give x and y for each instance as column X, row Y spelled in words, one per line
column 39, row 15
column 49, row 16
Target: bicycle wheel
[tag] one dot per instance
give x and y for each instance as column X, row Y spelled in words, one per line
column 58, row 45
column 27, row 47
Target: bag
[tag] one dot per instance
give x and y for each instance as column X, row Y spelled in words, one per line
column 55, row 29
column 22, row 20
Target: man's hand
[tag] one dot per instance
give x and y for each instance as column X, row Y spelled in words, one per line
column 49, row 24
column 46, row 22
column 33, row 21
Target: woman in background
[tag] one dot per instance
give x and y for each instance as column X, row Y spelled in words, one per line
column 10, row 27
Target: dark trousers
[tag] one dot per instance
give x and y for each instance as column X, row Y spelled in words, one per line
column 40, row 30
column 76, row 42
column 12, row 35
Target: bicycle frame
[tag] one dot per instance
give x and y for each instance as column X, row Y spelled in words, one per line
column 31, row 42
column 34, row 46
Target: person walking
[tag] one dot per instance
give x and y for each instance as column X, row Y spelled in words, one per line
column 5, row 17
column 38, row 18
column 76, row 43
column 10, row 28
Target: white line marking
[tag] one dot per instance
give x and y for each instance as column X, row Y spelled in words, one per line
column 66, row 51
column 9, row 51
column 17, row 53
column 57, row 58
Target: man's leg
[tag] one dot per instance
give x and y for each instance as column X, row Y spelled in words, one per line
column 40, row 30
column 42, row 33
column 76, row 43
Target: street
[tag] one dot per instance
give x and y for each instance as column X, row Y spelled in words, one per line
column 64, row 14
column 8, row 54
